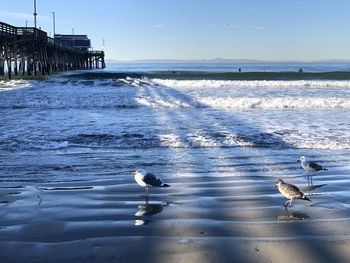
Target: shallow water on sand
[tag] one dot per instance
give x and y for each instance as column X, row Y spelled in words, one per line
column 68, row 147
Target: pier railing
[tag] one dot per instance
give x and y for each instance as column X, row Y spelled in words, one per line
column 96, row 52
column 7, row 30
column 50, row 41
column 32, row 33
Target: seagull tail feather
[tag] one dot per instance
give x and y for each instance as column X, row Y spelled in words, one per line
column 325, row 169
column 305, row 198
column 165, row 185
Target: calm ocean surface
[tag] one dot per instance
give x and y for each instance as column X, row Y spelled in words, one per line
column 80, row 128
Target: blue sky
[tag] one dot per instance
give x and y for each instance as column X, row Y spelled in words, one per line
column 198, row 29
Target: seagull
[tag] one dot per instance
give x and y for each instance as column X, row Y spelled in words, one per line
column 290, row 191
column 310, row 166
column 147, row 179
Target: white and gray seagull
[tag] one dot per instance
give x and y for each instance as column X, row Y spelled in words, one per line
column 148, row 179
column 290, row 191
column 310, row 166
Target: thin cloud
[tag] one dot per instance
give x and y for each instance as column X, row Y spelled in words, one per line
column 260, row 27
column 158, row 26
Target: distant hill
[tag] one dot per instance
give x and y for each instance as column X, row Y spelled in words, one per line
column 218, row 61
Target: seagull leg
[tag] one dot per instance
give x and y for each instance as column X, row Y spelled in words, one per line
column 309, row 179
column 288, row 203
column 146, row 192
column 146, row 200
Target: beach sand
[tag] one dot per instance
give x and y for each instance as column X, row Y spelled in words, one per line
column 68, row 147
column 197, row 219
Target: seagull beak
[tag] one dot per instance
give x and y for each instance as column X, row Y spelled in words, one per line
column 275, row 185
column 134, row 173
column 299, row 161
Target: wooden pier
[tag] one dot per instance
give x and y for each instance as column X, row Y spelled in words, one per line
column 29, row 51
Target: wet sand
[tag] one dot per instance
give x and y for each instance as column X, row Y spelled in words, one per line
column 197, row 219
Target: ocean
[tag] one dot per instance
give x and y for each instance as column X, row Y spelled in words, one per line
column 104, row 124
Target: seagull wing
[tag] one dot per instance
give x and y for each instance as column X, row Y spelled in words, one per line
column 151, row 179
column 291, row 190
column 315, row 166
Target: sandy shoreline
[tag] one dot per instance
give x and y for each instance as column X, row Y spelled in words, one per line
column 196, row 220
column 186, row 249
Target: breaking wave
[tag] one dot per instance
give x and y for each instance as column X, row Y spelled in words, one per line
column 131, row 92
column 277, row 139
column 208, row 83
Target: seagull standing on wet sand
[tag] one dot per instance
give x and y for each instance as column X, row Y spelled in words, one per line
column 147, row 179
column 290, row 191
column 310, row 166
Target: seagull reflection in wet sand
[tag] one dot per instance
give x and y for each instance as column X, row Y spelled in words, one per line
column 290, row 191
column 148, row 210
column 292, row 216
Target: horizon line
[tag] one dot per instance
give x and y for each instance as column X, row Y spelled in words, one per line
column 225, row 60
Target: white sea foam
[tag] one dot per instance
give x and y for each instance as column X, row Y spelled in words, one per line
column 172, row 141
column 276, row 102
column 235, row 94
column 14, row 84
column 159, row 102
column 190, row 140
column 202, row 140
column 251, row 83
column 179, row 94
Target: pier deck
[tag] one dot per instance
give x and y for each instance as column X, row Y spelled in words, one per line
column 30, row 51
